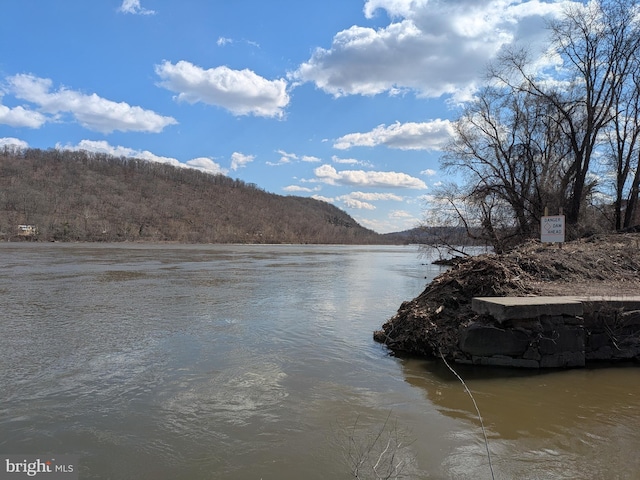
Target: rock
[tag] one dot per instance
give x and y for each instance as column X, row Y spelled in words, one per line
column 562, row 339
column 487, row 341
column 504, row 361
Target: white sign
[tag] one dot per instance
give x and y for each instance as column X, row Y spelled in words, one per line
column 552, row 229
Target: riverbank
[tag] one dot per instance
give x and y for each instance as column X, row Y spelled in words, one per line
column 432, row 323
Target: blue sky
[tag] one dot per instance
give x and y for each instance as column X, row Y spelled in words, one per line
column 349, row 101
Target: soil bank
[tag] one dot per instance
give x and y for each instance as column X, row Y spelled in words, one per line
column 431, row 324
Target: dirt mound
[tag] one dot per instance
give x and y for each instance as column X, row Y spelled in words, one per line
column 430, row 323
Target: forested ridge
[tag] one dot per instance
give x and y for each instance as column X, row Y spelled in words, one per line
column 83, row 196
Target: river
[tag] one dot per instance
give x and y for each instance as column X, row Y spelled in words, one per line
column 257, row 362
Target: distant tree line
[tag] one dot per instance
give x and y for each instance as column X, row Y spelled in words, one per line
column 567, row 142
column 84, row 196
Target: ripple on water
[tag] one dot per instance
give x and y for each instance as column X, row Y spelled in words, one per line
column 233, row 396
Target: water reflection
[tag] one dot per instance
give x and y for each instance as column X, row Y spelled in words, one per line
column 558, row 423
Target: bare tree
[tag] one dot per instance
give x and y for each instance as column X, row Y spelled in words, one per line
column 513, row 160
column 624, row 148
column 598, row 43
column 528, row 140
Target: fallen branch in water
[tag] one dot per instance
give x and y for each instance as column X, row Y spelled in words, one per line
column 484, row 432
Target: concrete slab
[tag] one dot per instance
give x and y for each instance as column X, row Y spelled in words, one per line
column 515, row 308
column 623, row 302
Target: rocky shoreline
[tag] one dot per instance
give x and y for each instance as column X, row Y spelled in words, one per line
column 439, row 320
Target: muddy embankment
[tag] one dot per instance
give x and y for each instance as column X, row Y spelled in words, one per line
column 434, row 323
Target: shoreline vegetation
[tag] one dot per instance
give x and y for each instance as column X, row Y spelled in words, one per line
column 430, row 324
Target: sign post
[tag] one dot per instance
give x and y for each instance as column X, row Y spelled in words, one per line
column 552, row 229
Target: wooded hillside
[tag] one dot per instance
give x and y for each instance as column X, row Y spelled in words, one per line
column 82, row 196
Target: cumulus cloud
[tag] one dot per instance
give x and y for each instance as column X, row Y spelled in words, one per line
column 345, row 161
column 400, row 214
column 431, row 135
column 298, row 188
column 240, row 160
column 372, row 197
column 286, row 157
column 323, row 199
column 21, row 117
column 205, row 164
column 390, row 223
column 134, row 7
column 429, row 172
column 432, row 48
column 357, row 204
column 361, row 200
column 91, row 111
column 101, row 146
column 328, row 174
column 13, row 143
column 242, row 92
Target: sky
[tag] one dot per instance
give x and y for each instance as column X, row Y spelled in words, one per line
column 347, row 101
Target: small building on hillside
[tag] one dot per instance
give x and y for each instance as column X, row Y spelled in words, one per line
column 28, row 231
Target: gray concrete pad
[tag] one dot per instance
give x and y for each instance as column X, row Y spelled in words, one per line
column 626, row 302
column 514, row 308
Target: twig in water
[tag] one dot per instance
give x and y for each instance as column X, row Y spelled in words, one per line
column 484, row 432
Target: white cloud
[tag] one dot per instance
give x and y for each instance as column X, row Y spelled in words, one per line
column 21, row 117
column 358, row 204
column 206, row 165
column 431, row 135
column 389, row 224
column 324, row 199
column 240, row 160
column 328, row 174
column 350, row 161
column 426, row 198
column 297, row 188
column 361, row 200
column 224, row 41
column 93, row 112
column 13, row 143
column 345, row 161
column 375, row 225
column 134, row 7
column 101, row 146
column 429, row 172
column 433, row 48
column 372, row 197
column 242, row 92
column 400, row 214
column 286, row 157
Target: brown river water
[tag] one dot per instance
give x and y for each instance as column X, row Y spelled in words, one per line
column 257, row 362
